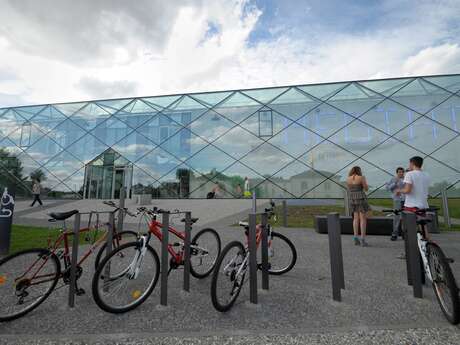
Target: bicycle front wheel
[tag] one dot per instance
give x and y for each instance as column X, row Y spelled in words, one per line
column 117, row 287
column 205, row 249
column 444, row 285
column 27, row 278
column 228, row 276
column 282, row 254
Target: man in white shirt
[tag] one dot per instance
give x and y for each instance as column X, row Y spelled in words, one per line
column 416, row 184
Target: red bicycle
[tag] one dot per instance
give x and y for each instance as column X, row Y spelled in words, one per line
column 28, row 277
column 128, row 275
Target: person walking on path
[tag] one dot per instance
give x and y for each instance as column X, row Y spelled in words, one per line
column 396, row 183
column 247, row 192
column 357, row 186
column 36, row 189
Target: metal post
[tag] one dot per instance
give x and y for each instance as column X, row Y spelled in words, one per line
column 410, row 222
column 406, row 252
column 252, row 258
column 108, row 249
column 73, row 261
column 285, row 214
column 335, row 252
column 164, row 259
column 346, row 202
column 188, row 229
column 445, row 209
column 254, row 202
column 264, row 249
column 121, row 214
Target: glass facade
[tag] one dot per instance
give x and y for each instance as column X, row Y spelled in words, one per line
column 289, row 142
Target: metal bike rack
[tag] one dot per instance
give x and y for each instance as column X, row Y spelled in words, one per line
column 413, row 259
column 252, row 246
column 335, row 253
column 73, row 262
column 285, row 214
column 165, row 254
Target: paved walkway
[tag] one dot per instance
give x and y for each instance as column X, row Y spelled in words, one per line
column 377, row 307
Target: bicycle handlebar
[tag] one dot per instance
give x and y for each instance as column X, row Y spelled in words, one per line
column 420, row 211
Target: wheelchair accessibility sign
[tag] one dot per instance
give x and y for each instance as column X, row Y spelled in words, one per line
column 6, row 203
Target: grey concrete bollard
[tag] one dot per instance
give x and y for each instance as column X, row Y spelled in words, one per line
column 335, row 254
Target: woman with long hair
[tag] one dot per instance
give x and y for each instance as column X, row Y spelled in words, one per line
column 357, row 186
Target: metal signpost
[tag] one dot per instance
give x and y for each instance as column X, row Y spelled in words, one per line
column 335, row 253
column 6, row 218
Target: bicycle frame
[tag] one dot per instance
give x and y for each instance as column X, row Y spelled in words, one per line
column 155, row 228
column 422, row 242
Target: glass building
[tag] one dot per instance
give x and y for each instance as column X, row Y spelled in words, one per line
column 289, row 142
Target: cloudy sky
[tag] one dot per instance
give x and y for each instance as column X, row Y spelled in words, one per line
column 66, row 50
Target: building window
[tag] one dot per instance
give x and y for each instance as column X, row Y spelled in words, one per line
column 25, row 134
column 265, row 123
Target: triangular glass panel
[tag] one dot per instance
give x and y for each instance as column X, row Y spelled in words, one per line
column 69, row 109
column 449, row 153
column 184, row 144
column 211, row 99
column 138, row 107
column 385, row 87
column 134, row 146
column 29, row 112
column 238, row 107
column 326, row 120
column 237, row 141
column 389, row 116
column 425, row 135
column 115, row 105
column 354, row 92
column 91, row 112
column 297, row 178
column 448, row 82
column 293, row 104
column 391, row 154
column 211, row 126
column 111, row 131
column 187, row 103
column 68, row 132
column 295, row 139
column 358, row 137
column 86, row 148
column 265, row 96
column 51, row 114
column 266, row 158
column 420, row 96
column 448, row 113
column 209, row 161
column 270, row 189
column 161, row 102
column 327, row 158
column 326, row 189
column 323, row 91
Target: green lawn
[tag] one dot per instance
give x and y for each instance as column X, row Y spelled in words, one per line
column 454, row 205
column 25, row 237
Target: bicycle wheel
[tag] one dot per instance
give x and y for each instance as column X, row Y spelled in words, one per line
column 204, row 252
column 228, row 276
column 121, row 238
column 115, row 288
column 282, row 254
column 444, row 285
column 27, row 278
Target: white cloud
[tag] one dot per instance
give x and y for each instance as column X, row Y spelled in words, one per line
column 156, row 47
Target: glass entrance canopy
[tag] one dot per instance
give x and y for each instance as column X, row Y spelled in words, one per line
column 279, row 142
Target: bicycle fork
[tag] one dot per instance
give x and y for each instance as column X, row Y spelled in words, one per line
column 134, row 267
column 421, row 242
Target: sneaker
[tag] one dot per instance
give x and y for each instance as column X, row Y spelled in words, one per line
column 393, row 238
column 364, row 243
column 356, row 241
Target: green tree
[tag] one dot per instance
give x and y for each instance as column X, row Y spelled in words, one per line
column 38, row 174
column 11, row 172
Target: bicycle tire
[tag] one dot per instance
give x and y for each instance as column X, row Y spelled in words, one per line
column 102, row 249
column 195, row 239
column 293, row 258
column 97, row 277
column 215, row 301
column 39, row 252
column 432, row 251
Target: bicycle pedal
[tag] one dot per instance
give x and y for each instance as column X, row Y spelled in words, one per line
column 80, row 292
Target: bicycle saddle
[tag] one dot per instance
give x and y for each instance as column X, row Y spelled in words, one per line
column 194, row 220
column 62, row 215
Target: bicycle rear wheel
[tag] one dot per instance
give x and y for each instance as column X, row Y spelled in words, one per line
column 115, row 288
column 228, row 276
column 27, row 278
column 444, row 285
column 282, row 254
column 204, row 252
